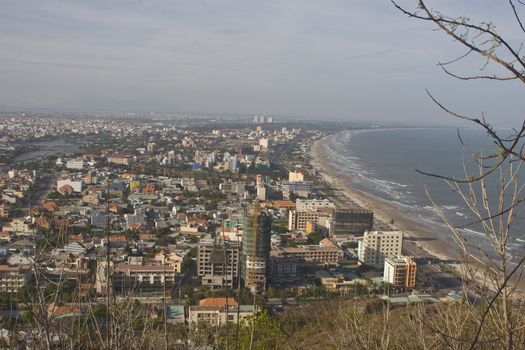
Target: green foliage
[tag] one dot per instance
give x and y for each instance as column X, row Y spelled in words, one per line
column 266, row 333
column 280, row 226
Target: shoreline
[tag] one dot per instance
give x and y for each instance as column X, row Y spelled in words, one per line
column 420, row 234
column 384, row 212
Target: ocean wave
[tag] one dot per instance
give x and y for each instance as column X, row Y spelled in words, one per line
column 472, row 232
column 450, row 207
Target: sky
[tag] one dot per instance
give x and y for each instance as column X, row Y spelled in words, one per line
column 329, row 59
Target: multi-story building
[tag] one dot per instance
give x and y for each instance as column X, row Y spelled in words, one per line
column 351, row 222
column 261, row 192
column 303, row 220
column 283, row 268
column 257, row 226
column 237, row 187
column 12, row 278
column 147, row 278
column 375, row 246
column 314, row 254
column 400, row 272
column 302, row 188
column 218, row 263
column 121, row 158
column 91, row 198
column 98, row 219
column 232, row 163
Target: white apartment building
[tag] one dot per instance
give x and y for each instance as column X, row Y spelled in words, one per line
column 375, row 246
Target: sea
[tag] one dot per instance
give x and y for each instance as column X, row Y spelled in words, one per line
column 383, row 163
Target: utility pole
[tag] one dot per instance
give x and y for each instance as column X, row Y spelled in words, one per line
column 108, row 275
column 165, row 312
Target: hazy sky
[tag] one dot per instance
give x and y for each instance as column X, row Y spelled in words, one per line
column 348, row 59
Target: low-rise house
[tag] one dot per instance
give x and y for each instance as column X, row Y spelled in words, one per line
column 334, row 281
column 171, row 259
column 218, row 311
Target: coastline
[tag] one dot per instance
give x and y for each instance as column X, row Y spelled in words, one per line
column 384, row 212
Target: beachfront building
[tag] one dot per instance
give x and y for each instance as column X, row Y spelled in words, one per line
column 301, row 188
column 400, row 272
column 375, row 246
column 347, row 222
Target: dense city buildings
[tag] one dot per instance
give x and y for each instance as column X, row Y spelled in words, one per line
column 167, row 215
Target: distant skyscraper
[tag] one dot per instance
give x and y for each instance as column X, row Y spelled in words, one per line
column 232, row 163
column 257, row 227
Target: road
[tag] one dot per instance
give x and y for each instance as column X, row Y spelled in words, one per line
column 281, row 150
column 440, row 278
column 43, row 187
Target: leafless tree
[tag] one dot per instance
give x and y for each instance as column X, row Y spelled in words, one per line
column 492, row 193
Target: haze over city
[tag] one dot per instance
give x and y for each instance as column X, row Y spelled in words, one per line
column 343, row 60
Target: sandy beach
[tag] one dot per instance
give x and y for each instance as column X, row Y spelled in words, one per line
column 383, row 211
column 439, row 245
